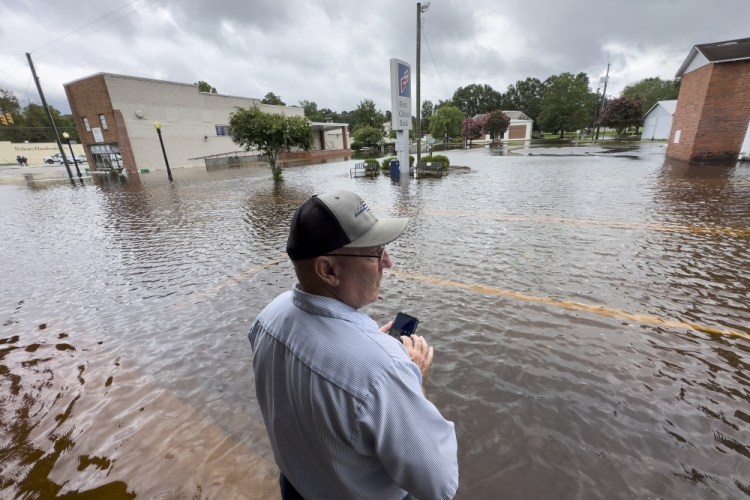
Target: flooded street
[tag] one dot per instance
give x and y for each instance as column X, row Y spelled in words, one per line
column 589, row 313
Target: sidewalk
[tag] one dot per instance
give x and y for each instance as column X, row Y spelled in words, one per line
column 11, row 174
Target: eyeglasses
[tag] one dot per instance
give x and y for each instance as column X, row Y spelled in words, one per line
column 379, row 255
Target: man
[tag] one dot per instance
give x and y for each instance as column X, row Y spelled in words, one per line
column 343, row 401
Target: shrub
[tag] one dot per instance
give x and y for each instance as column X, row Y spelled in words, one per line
column 443, row 160
column 386, row 164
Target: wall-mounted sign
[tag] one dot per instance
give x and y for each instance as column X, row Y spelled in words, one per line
column 98, row 136
column 400, row 95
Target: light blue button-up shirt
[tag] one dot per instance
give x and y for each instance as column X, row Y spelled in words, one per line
column 343, row 405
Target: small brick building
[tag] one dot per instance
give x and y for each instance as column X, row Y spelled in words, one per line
column 713, row 108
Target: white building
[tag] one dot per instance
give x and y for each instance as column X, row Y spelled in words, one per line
column 657, row 122
column 116, row 114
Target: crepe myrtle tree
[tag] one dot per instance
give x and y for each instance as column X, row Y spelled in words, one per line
column 473, row 127
column 622, row 113
column 269, row 133
column 497, row 123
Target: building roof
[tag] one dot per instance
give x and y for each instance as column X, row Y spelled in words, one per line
column 718, row 52
column 669, row 106
column 517, row 115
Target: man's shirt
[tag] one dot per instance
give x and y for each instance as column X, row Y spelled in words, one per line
column 344, row 407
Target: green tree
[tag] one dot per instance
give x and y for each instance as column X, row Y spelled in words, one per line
column 567, row 103
column 367, row 135
column 477, row 99
column 651, row 90
column 269, row 133
column 497, row 123
column 526, row 96
column 622, row 113
column 205, row 87
column 9, row 104
column 367, row 114
column 311, row 111
column 446, row 120
column 426, row 113
column 272, row 98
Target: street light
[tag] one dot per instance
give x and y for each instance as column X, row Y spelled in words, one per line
column 157, row 126
column 66, row 136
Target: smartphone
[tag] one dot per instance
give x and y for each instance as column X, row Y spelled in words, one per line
column 403, row 324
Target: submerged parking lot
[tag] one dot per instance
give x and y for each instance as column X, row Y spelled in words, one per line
column 588, row 310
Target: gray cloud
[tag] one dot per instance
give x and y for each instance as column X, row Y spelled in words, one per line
column 336, row 52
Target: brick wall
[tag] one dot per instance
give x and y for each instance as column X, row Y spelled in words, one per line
column 89, row 98
column 712, row 113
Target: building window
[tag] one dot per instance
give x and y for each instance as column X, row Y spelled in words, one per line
column 86, row 124
column 222, row 130
column 103, row 121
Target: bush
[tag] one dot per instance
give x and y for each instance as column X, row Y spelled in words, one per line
column 386, row 164
column 443, row 160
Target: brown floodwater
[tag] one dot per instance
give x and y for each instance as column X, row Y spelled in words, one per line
column 589, row 311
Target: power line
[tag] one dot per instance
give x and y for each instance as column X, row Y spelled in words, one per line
column 433, row 60
column 83, row 27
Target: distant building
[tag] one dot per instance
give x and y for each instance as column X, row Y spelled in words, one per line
column 657, row 122
column 713, row 108
column 520, row 126
column 115, row 117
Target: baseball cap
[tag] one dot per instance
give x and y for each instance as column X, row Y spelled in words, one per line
column 338, row 219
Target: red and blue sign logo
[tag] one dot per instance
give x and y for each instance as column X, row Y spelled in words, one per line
column 404, row 88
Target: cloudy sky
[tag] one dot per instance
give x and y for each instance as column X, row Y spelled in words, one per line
column 336, row 52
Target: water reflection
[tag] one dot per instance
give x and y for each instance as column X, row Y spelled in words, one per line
column 559, row 293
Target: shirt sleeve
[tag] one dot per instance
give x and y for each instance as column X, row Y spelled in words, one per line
column 416, row 446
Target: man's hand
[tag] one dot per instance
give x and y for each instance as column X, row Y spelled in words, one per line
column 419, row 352
column 386, row 327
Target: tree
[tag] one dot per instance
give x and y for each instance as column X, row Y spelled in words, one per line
column 367, row 114
column 622, row 113
column 651, row 90
column 272, row 98
column 311, row 111
column 526, row 96
column 476, row 99
column 205, row 87
column 447, row 120
column 269, row 133
column 567, row 103
column 497, row 123
column 366, row 135
column 473, row 127
column 426, row 113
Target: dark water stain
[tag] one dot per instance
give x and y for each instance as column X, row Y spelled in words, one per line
column 43, row 326
column 9, row 340
column 64, row 347
column 32, row 347
column 100, row 463
column 81, row 369
column 62, row 336
column 109, row 381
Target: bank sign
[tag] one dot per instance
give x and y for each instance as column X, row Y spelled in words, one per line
column 400, row 95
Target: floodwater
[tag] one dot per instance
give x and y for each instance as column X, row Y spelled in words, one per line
column 589, row 313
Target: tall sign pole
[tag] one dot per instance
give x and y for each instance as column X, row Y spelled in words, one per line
column 51, row 121
column 401, row 112
column 420, row 8
column 604, row 100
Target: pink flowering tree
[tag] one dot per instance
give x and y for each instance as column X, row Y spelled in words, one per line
column 473, row 127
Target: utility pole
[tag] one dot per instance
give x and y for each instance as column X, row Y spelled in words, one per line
column 51, row 121
column 604, row 99
column 420, row 9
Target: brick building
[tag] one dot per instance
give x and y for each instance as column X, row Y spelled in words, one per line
column 713, row 108
column 115, row 116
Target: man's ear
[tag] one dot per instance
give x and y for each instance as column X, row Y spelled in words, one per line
column 326, row 270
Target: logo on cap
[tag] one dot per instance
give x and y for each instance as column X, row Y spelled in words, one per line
column 362, row 208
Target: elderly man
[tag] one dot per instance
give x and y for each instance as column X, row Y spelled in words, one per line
column 342, row 401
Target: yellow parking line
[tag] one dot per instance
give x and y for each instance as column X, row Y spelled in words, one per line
column 565, row 304
column 674, row 228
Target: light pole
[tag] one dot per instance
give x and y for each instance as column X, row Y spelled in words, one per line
column 420, row 9
column 66, row 136
column 157, row 126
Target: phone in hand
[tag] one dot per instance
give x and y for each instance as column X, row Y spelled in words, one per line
column 403, row 324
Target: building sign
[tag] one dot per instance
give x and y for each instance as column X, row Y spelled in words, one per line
column 98, row 137
column 400, row 95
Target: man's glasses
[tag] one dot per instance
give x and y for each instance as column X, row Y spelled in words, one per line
column 378, row 255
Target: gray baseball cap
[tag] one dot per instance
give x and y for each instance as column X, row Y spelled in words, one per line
column 338, row 219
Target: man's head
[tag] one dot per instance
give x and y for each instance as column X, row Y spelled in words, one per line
column 337, row 246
